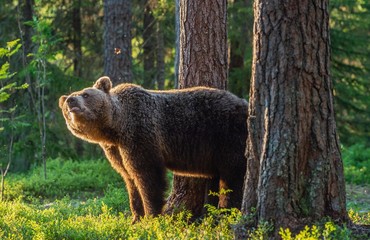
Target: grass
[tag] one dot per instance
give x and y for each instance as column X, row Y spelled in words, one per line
column 88, row 200
column 358, row 198
column 356, row 159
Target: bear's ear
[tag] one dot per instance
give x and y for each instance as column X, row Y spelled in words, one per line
column 103, row 84
column 62, row 99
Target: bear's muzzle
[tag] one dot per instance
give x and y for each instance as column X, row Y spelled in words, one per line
column 73, row 105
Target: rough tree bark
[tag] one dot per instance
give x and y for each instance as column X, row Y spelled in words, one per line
column 117, row 40
column 202, row 61
column 294, row 172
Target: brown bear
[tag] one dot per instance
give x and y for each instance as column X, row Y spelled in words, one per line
column 197, row 132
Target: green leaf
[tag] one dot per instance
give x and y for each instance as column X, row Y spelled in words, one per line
column 12, row 44
column 23, row 86
column 14, row 50
column 8, row 86
column 4, row 96
column 4, row 70
column 3, row 52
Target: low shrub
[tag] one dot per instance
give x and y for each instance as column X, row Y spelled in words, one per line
column 83, row 180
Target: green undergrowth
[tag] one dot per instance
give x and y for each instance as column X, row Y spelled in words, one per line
column 64, row 220
column 80, row 180
column 356, row 159
column 88, row 200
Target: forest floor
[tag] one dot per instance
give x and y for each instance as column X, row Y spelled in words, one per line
column 358, row 197
column 87, row 200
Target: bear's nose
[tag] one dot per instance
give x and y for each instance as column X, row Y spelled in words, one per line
column 71, row 100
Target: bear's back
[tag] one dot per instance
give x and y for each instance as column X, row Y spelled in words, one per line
column 198, row 124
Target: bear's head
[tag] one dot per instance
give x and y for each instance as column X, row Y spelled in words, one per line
column 88, row 113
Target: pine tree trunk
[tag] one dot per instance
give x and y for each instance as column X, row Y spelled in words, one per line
column 117, row 40
column 294, row 171
column 202, row 61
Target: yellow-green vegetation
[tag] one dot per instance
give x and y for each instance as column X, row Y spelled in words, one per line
column 66, row 220
column 87, row 200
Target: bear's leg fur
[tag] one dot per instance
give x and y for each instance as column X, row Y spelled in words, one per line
column 150, row 179
column 115, row 159
column 136, row 203
column 233, row 180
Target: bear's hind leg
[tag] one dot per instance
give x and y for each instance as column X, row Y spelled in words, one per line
column 232, row 180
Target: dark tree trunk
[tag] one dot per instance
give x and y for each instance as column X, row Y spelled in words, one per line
column 241, row 23
column 177, row 42
column 26, row 11
column 117, row 40
column 202, row 61
column 149, row 46
column 76, row 38
column 203, row 44
column 27, row 16
column 160, row 57
column 77, row 58
column 294, row 171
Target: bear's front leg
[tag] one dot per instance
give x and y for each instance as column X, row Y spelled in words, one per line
column 149, row 175
column 115, row 159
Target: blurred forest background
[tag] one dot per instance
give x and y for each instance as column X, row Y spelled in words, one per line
column 53, row 47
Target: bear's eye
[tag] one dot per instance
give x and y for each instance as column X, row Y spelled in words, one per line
column 85, row 95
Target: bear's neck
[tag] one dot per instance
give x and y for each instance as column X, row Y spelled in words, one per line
column 115, row 120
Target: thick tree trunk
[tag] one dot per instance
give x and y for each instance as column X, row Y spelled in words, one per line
column 117, row 40
column 294, row 172
column 203, row 44
column 202, row 61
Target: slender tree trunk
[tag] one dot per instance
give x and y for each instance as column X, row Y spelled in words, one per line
column 149, row 46
column 117, row 40
column 4, row 171
column 160, row 57
column 25, row 30
column 77, row 58
column 177, row 43
column 2, row 186
column 76, row 26
column 202, row 61
column 294, row 171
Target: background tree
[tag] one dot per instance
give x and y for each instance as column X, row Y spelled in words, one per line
column 202, row 62
column 149, row 45
column 117, row 40
column 349, row 31
column 295, row 172
column 240, row 25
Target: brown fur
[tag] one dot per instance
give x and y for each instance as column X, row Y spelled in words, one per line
column 193, row 132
